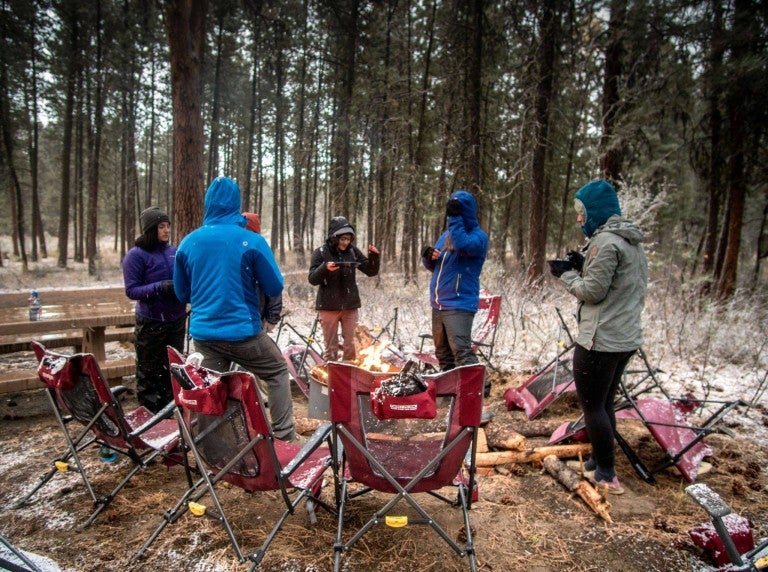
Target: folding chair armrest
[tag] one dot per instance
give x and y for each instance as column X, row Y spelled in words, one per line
column 321, row 434
column 118, row 390
column 165, row 413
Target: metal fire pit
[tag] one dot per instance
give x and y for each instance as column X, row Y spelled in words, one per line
column 319, row 404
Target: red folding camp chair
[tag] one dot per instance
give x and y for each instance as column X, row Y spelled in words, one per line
column 405, row 445
column 78, row 392
column 300, row 361
column 484, row 328
column 667, row 421
column 224, row 424
column 727, row 538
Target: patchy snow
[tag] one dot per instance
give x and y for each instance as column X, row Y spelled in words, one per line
column 715, row 352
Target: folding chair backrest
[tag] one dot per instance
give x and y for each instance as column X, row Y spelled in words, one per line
column 225, row 416
column 404, row 447
column 81, row 391
column 486, row 318
column 300, row 360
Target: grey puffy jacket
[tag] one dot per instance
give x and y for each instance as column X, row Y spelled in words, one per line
column 611, row 288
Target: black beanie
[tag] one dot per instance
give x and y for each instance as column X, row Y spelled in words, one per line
column 152, row 217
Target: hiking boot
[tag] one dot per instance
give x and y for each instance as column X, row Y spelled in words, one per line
column 612, row 487
column 580, row 467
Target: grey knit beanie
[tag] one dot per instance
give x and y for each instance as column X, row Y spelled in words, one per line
column 152, row 217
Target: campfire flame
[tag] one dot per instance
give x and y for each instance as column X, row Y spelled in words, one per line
column 369, row 358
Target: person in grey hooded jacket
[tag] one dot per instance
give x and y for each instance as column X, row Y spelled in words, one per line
column 609, row 279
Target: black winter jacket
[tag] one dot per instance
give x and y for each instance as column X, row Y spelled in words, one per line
column 338, row 289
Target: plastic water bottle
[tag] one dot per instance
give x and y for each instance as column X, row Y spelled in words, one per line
column 35, row 309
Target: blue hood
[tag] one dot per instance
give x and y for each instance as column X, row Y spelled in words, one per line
column 600, row 201
column 222, row 203
column 468, row 208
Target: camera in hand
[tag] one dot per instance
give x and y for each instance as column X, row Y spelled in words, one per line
column 557, row 267
column 427, row 251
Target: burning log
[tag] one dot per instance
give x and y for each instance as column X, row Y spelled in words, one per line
column 320, row 374
column 572, row 481
column 535, row 455
column 503, row 437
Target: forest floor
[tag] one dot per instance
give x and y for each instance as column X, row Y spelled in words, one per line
column 524, row 519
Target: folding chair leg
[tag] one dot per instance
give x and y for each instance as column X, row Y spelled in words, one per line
column 339, row 547
column 465, row 500
column 640, row 468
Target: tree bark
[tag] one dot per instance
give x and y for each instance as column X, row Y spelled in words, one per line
column 66, row 146
column 537, row 229
column 738, row 94
column 94, row 162
column 185, row 20
column 346, row 21
column 611, row 159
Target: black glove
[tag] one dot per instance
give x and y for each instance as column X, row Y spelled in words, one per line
column 426, row 252
column 576, row 259
column 453, row 208
column 166, row 287
column 557, row 267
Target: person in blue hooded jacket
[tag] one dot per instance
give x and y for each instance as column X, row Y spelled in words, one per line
column 456, row 261
column 221, row 270
column 609, row 278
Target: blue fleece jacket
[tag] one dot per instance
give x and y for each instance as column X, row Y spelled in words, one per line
column 455, row 283
column 222, row 268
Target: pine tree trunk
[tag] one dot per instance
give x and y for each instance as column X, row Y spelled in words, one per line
column 537, row 229
column 611, row 160
column 186, row 37
column 94, row 148
column 66, row 146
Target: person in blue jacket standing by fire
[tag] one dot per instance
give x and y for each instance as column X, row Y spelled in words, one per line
column 456, row 261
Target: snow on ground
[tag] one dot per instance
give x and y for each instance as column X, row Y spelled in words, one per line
column 714, row 352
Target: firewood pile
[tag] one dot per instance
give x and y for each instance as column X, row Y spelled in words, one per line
column 500, row 445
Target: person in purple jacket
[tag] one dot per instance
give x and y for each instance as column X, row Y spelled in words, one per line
column 160, row 317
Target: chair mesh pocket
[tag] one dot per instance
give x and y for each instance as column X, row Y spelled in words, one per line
column 420, row 405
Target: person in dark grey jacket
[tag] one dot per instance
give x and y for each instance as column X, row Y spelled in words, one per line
column 334, row 269
column 609, row 279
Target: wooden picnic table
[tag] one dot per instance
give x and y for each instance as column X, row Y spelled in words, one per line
column 92, row 318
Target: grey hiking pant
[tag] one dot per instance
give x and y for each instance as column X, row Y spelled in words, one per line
column 452, row 336
column 261, row 356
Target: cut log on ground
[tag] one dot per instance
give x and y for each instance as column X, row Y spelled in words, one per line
column 482, row 441
column 572, row 481
column 535, row 428
column 501, row 436
column 535, row 455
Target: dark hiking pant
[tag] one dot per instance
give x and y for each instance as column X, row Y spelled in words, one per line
column 597, row 376
column 452, row 336
column 153, row 381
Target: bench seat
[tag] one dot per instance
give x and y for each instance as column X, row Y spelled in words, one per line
column 25, row 379
column 68, row 338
